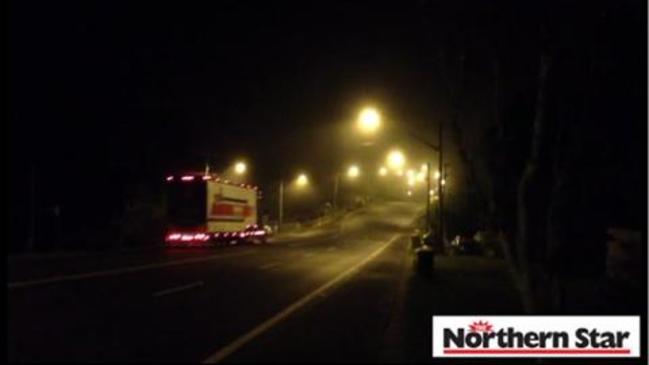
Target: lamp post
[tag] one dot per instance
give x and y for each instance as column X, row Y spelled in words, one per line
column 440, row 162
column 369, row 123
column 280, row 214
column 352, row 173
column 301, row 181
column 428, row 220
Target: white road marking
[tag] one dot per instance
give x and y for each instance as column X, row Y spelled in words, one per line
column 234, row 346
column 177, row 289
column 120, row 271
column 269, row 266
column 331, row 249
column 307, row 255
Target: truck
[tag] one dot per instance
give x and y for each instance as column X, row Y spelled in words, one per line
column 207, row 210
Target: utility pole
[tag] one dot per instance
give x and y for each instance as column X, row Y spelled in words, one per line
column 428, row 196
column 32, row 211
column 280, row 215
column 440, row 189
column 440, row 163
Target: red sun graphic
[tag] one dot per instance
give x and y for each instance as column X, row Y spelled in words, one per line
column 481, row 326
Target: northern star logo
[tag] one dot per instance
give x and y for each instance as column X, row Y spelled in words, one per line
column 480, row 327
column 484, row 338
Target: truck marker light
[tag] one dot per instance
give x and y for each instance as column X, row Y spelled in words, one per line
column 170, row 178
column 173, row 236
column 206, row 177
column 187, row 178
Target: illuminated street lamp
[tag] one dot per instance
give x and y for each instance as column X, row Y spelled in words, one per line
column 437, row 175
column 240, row 168
column 369, row 120
column 410, row 174
column 396, row 159
column 383, row 171
column 302, row 180
column 409, row 193
column 411, row 181
column 421, row 176
column 353, row 171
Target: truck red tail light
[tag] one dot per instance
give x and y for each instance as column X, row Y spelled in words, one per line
column 187, row 237
column 201, row 237
column 173, row 237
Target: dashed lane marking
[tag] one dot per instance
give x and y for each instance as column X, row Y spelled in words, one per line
column 237, row 344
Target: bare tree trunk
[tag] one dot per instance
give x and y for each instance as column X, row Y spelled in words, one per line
column 458, row 134
column 531, row 203
column 507, row 245
column 569, row 146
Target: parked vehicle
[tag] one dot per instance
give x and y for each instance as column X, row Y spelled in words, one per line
column 465, row 245
column 204, row 210
column 490, row 241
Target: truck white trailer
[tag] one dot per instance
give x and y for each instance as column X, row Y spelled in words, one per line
column 206, row 210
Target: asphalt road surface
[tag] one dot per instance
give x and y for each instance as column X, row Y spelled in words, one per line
column 323, row 298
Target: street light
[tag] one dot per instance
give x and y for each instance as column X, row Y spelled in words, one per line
column 396, row 159
column 353, row 171
column 421, row 176
column 383, row 171
column 302, row 180
column 410, row 174
column 369, row 120
column 240, row 168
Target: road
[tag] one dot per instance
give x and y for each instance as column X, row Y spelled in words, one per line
column 322, row 298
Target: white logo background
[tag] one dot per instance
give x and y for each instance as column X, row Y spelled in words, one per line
column 569, row 324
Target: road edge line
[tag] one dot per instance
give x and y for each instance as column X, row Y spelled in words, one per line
column 177, row 289
column 241, row 341
column 119, row 271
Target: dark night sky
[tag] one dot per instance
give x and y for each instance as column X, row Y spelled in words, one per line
column 118, row 79
column 144, row 88
column 122, row 92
